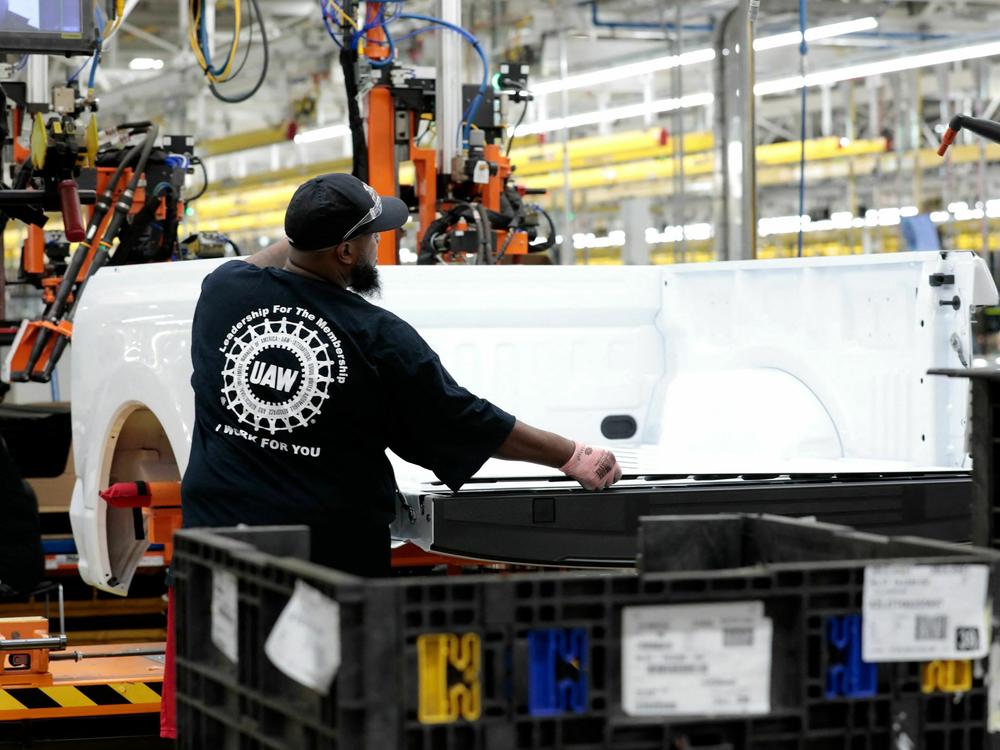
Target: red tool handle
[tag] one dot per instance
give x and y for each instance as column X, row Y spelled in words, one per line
column 69, row 199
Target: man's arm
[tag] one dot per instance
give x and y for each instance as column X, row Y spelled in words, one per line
column 272, row 256
column 594, row 468
column 527, row 443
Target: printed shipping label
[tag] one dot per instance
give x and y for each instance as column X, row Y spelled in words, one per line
column 925, row 612
column 225, row 603
column 305, row 640
column 701, row 659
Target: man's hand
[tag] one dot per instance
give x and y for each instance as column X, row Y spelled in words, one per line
column 594, row 468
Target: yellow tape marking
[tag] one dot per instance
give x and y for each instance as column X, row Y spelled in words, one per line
column 9, row 703
column 136, row 692
column 67, row 695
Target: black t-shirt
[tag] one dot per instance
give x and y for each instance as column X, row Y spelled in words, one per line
column 300, row 386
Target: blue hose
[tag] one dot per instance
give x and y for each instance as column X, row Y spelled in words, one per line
column 473, row 108
column 435, row 23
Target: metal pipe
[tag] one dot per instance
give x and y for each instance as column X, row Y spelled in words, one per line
column 54, row 643
column 679, row 130
column 62, row 612
column 803, row 132
column 596, row 21
column 983, row 94
column 917, row 117
column 80, row 655
column 38, row 79
column 448, row 102
column 749, row 204
column 721, row 201
column 568, row 251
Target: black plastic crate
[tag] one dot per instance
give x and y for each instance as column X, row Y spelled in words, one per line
column 985, row 450
column 548, row 648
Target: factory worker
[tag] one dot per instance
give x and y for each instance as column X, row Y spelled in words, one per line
column 301, row 384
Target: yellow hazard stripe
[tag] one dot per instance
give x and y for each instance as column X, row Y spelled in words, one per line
column 136, row 692
column 9, row 703
column 75, row 698
column 67, row 695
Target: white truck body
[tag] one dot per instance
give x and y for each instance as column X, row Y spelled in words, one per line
column 815, row 364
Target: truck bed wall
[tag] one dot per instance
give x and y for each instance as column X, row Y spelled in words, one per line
column 727, row 366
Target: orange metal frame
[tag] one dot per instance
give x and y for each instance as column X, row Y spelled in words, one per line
column 129, row 676
column 163, row 516
column 381, row 136
column 33, row 670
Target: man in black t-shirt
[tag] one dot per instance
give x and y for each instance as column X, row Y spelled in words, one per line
column 301, row 384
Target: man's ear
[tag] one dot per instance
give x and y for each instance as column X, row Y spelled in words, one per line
column 345, row 253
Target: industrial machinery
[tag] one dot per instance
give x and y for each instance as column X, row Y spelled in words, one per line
column 469, row 208
column 132, row 186
column 138, row 188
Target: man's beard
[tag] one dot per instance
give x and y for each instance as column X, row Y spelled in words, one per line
column 365, row 281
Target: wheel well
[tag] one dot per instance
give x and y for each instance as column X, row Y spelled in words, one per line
column 137, row 450
column 142, row 450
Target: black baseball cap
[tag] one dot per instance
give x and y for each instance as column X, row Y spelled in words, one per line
column 333, row 208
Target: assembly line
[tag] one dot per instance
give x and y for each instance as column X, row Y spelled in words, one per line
column 429, row 374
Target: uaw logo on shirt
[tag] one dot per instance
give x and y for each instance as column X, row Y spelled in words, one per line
column 280, row 365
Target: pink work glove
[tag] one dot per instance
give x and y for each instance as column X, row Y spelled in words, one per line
column 594, row 468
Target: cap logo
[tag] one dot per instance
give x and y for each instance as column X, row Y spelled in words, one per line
column 373, row 213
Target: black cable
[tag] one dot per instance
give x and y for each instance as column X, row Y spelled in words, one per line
column 484, row 229
column 263, row 69
column 422, row 133
column 204, row 186
column 359, row 146
column 551, row 239
column 510, row 141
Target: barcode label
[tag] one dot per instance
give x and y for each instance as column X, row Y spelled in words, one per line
column 737, row 637
column 931, row 628
column 679, row 659
column 925, row 612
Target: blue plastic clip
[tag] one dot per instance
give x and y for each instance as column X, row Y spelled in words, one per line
column 852, row 678
column 557, row 671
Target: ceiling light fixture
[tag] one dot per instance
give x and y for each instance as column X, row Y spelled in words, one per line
column 816, row 33
column 878, row 67
column 322, row 134
column 616, row 113
column 630, row 70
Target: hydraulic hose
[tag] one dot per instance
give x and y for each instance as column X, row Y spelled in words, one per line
column 122, row 207
column 58, row 307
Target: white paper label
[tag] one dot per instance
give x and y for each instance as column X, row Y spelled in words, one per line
column 305, row 641
column 481, row 173
column 225, row 590
column 701, row 659
column 925, row 612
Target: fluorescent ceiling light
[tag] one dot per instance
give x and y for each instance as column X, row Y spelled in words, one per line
column 878, row 67
column 322, row 134
column 618, row 72
column 816, row 33
column 631, row 70
column 616, row 113
column 145, row 63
